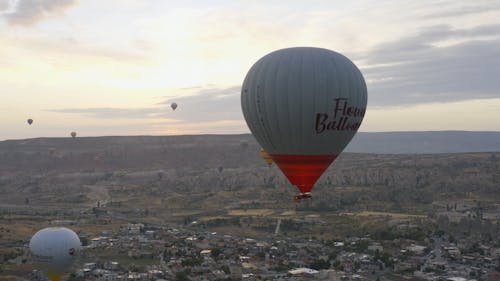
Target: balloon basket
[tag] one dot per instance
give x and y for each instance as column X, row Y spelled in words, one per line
column 302, row 196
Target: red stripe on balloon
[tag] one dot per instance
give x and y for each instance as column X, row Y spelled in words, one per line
column 303, row 170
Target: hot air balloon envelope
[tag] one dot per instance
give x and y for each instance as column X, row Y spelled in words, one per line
column 173, row 106
column 304, row 105
column 54, row 249
column 30, row 121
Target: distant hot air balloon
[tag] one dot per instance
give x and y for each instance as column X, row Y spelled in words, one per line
column 53, row 250
column 73, row 134
column 173, row 106
column 30, row 121
column 304, row 105
column 266, row 157
column 243, row 144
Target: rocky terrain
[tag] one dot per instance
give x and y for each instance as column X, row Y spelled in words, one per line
column 210, row 174
column 219, row 183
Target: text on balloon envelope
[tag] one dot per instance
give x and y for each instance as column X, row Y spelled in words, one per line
column 344, row 118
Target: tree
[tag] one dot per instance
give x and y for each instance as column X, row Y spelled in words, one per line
column 182, row 276
column 215, row 252
column 338, row 265
column 226, row 269
column 319, row 264
column 73, row 277
column 191, row 262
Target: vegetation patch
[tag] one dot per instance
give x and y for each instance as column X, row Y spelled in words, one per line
column 383, row 214
column 251, row 212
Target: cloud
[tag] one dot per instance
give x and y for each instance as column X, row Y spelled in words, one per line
column 30, row 12
column 5, row 6
column 208, row 104
column 115, row 113
column 75, row 47
column 458, row 9
column 201, row 105
column 67, row 53
column 440, row 64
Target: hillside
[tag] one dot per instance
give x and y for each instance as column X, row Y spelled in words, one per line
column 425, row 142
column 213, row 174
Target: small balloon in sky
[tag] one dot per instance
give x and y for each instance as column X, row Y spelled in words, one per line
column 173, row 106
column 243, row 144
column 73, row 134
column 30, row 121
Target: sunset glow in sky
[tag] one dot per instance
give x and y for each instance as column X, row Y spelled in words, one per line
column 113, row 67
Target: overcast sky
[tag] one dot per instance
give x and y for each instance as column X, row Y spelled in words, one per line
column 113, row 67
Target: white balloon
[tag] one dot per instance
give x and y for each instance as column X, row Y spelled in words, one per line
column 54, row 249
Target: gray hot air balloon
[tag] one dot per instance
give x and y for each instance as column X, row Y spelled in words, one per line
column 30, row 121
column 53, row 250
column 173, row 106
column 304, row 105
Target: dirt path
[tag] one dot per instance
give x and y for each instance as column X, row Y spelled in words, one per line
column 98, row 193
